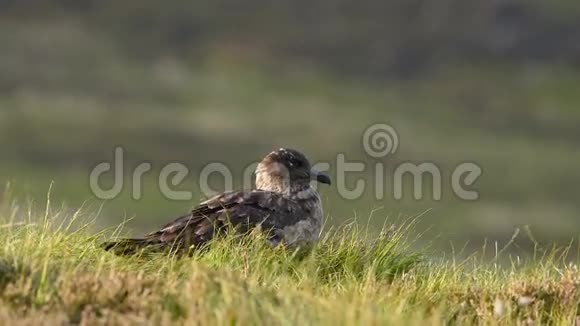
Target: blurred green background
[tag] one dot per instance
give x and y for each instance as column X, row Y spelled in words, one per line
column 491, row 82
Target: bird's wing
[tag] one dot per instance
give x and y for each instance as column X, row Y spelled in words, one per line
column 242, row 210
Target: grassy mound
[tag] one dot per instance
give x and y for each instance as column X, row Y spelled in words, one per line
column 53, row 271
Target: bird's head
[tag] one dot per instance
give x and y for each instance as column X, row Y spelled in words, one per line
column 287, row 171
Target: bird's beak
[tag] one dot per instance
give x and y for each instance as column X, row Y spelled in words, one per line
column 320, row 177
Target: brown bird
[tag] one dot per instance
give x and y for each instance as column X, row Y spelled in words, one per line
column 283, row 205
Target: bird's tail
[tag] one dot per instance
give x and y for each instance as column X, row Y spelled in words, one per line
column 125, row 247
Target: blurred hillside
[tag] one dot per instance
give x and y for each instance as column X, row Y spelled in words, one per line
column 381, row 39
column 493, row 82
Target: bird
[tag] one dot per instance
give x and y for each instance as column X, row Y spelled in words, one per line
column 284, row 206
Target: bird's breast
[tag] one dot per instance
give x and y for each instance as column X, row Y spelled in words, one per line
column 306, row 230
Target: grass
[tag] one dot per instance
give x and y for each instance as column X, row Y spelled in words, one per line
column 52, row 271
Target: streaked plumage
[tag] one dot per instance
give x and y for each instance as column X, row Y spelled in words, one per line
column 284, row 205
